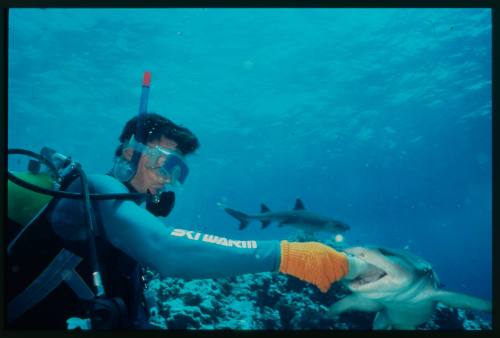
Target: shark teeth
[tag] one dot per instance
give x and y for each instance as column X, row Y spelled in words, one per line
column 372, row 275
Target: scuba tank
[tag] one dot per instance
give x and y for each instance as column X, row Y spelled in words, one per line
column 25, row 204
column 29, row 193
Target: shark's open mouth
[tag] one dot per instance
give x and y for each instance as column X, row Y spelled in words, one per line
column 372, row 274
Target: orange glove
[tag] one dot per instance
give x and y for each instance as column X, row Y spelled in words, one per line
column 313, row 262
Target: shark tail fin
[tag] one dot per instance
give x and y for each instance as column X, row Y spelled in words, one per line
column 462, row 301
column 240, row 216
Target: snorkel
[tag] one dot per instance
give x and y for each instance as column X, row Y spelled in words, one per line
column 162, row 202
column 143, row 105
column 123, row 169
column 143, row 108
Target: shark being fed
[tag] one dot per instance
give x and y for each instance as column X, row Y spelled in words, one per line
column 401, row 288
column 299, row 218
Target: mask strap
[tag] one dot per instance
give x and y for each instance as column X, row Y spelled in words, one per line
column 134, row 161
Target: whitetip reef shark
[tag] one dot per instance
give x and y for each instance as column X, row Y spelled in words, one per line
column 299, row 218
column 401, row 288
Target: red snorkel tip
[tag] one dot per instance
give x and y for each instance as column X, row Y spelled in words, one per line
column 147, row 79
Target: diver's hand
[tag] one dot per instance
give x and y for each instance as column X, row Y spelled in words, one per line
column 356, row 267
column 313, row 262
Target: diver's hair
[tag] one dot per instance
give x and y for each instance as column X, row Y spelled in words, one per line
column 155, row 126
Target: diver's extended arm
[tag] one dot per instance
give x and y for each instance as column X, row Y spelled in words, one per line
column 183, row 253
column 175, row 252
column 172, row 253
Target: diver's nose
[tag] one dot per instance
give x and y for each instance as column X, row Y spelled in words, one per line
column 165, row 180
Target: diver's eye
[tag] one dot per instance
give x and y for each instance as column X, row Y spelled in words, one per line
column 160, row 160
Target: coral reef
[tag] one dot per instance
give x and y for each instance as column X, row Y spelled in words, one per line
column 272, row 301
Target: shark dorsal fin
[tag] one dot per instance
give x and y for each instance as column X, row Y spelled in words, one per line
column 264, row 208
column 299, row 205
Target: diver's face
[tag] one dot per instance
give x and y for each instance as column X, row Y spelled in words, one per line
column 148, row 180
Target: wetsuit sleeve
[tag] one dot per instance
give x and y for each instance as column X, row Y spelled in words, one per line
column 172, row 252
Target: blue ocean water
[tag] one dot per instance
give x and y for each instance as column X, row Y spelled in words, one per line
column 378, row 117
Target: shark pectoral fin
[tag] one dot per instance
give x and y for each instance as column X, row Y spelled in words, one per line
column 353, row 303
column 462, row 301
column 381, row 321
column 340, row 306
column 265, row 224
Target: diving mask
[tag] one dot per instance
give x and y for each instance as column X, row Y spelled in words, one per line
column 167, row 163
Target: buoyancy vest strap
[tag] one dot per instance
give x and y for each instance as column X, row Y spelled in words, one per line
column 77, row 284
column 24, row 229
column 60, row 269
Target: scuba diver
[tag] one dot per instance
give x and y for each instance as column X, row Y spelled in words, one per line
column 78, row 244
